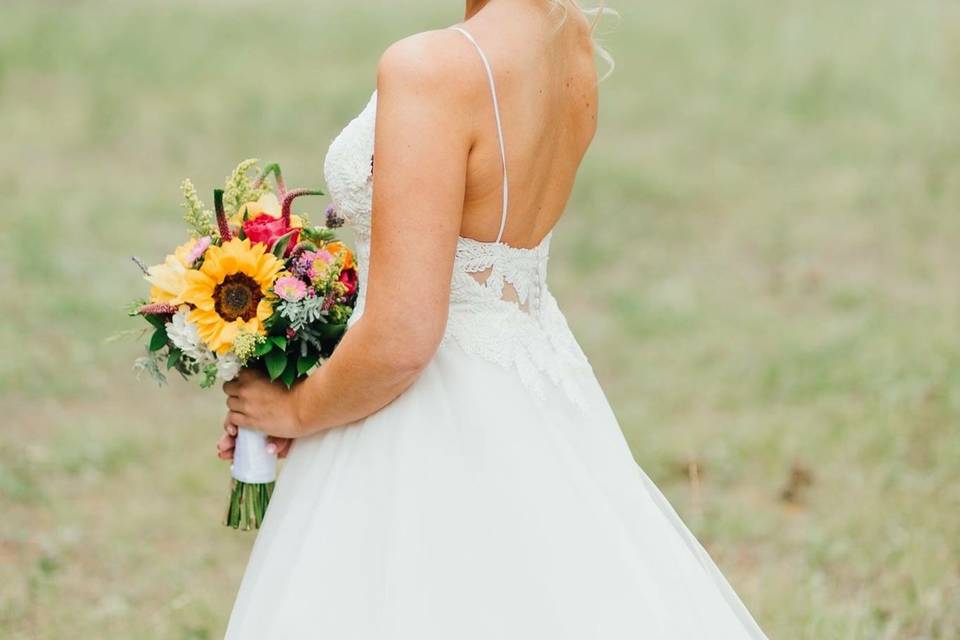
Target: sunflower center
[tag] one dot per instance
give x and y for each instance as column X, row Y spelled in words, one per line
column 237, row 297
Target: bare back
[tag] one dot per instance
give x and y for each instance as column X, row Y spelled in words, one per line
column 546, row 86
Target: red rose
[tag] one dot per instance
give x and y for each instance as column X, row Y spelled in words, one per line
column 266, row 229
column 349, row 279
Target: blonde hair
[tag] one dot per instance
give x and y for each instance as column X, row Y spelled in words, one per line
column 595, row 14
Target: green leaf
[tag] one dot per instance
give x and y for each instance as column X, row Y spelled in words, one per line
column 306, row 245
column 263, row 348
column 279, row 247
column 280, row 341
column 331, row 330
column 276, row 362
column 156, row 321
column 305, row 363
column 209, row 376
column 319, row 235
column 159, row 339
column 173, row 358
column 289, row 375
column 133, row 309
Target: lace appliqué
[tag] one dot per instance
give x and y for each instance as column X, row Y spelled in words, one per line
column 500, row 308
column 348, row 169
column 530, row 334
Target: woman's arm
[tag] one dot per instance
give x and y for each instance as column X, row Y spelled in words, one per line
column 423, row 138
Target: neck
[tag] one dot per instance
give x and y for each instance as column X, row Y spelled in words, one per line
column 474, row 6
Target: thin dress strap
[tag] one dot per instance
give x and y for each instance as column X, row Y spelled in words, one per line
column 496, row 112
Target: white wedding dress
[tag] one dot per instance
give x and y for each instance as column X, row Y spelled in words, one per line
column 495, row 499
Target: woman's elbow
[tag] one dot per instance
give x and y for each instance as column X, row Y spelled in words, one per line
column 414, row 358
column 409, row 347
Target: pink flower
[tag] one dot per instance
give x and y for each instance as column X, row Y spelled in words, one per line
column 348, row 278
column 322, row 255
column 290, row 289
column 319, row 262
column 199, row 247
column 266, row 229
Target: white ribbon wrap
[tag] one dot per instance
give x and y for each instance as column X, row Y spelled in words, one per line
column 252, row 463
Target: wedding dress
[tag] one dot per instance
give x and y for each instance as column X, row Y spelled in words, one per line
column 495, row 499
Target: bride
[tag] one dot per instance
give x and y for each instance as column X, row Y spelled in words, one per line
column 458, row 472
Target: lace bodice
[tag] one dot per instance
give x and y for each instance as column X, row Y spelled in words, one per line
column 500, row 307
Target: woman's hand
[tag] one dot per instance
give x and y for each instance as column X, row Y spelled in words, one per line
column 255, row 402
column 227, row 443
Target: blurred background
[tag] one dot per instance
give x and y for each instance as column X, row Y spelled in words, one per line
column 761, row 259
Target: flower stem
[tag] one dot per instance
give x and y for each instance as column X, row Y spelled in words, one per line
column 137, row 261
column 247, row 506
column 273, row 168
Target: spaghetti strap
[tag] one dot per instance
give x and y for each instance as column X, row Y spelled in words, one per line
column 496, row 113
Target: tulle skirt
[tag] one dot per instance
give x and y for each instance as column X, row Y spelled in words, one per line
column 470, row 508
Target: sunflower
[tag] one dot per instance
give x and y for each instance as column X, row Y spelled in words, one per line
column 230, row 292
column 167, row 279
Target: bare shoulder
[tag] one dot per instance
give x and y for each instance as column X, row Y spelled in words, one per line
column 437, row 62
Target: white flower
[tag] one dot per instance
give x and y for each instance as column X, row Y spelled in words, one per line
column 228, row 366
column 184, row 335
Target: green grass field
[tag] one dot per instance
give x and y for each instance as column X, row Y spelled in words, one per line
column 762, row 259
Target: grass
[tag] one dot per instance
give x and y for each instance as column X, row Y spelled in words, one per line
column 760, row 258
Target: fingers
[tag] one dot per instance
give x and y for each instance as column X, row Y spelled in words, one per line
column 235, row 404
column 247, row 375
column 238, row 419
column 225, row 446
column 279, row 446
column 233, row 387
column 228, row 442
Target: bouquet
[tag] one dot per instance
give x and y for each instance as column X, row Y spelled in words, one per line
column 255, row 286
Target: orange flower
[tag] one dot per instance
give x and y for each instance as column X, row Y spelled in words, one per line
column 337, row 249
